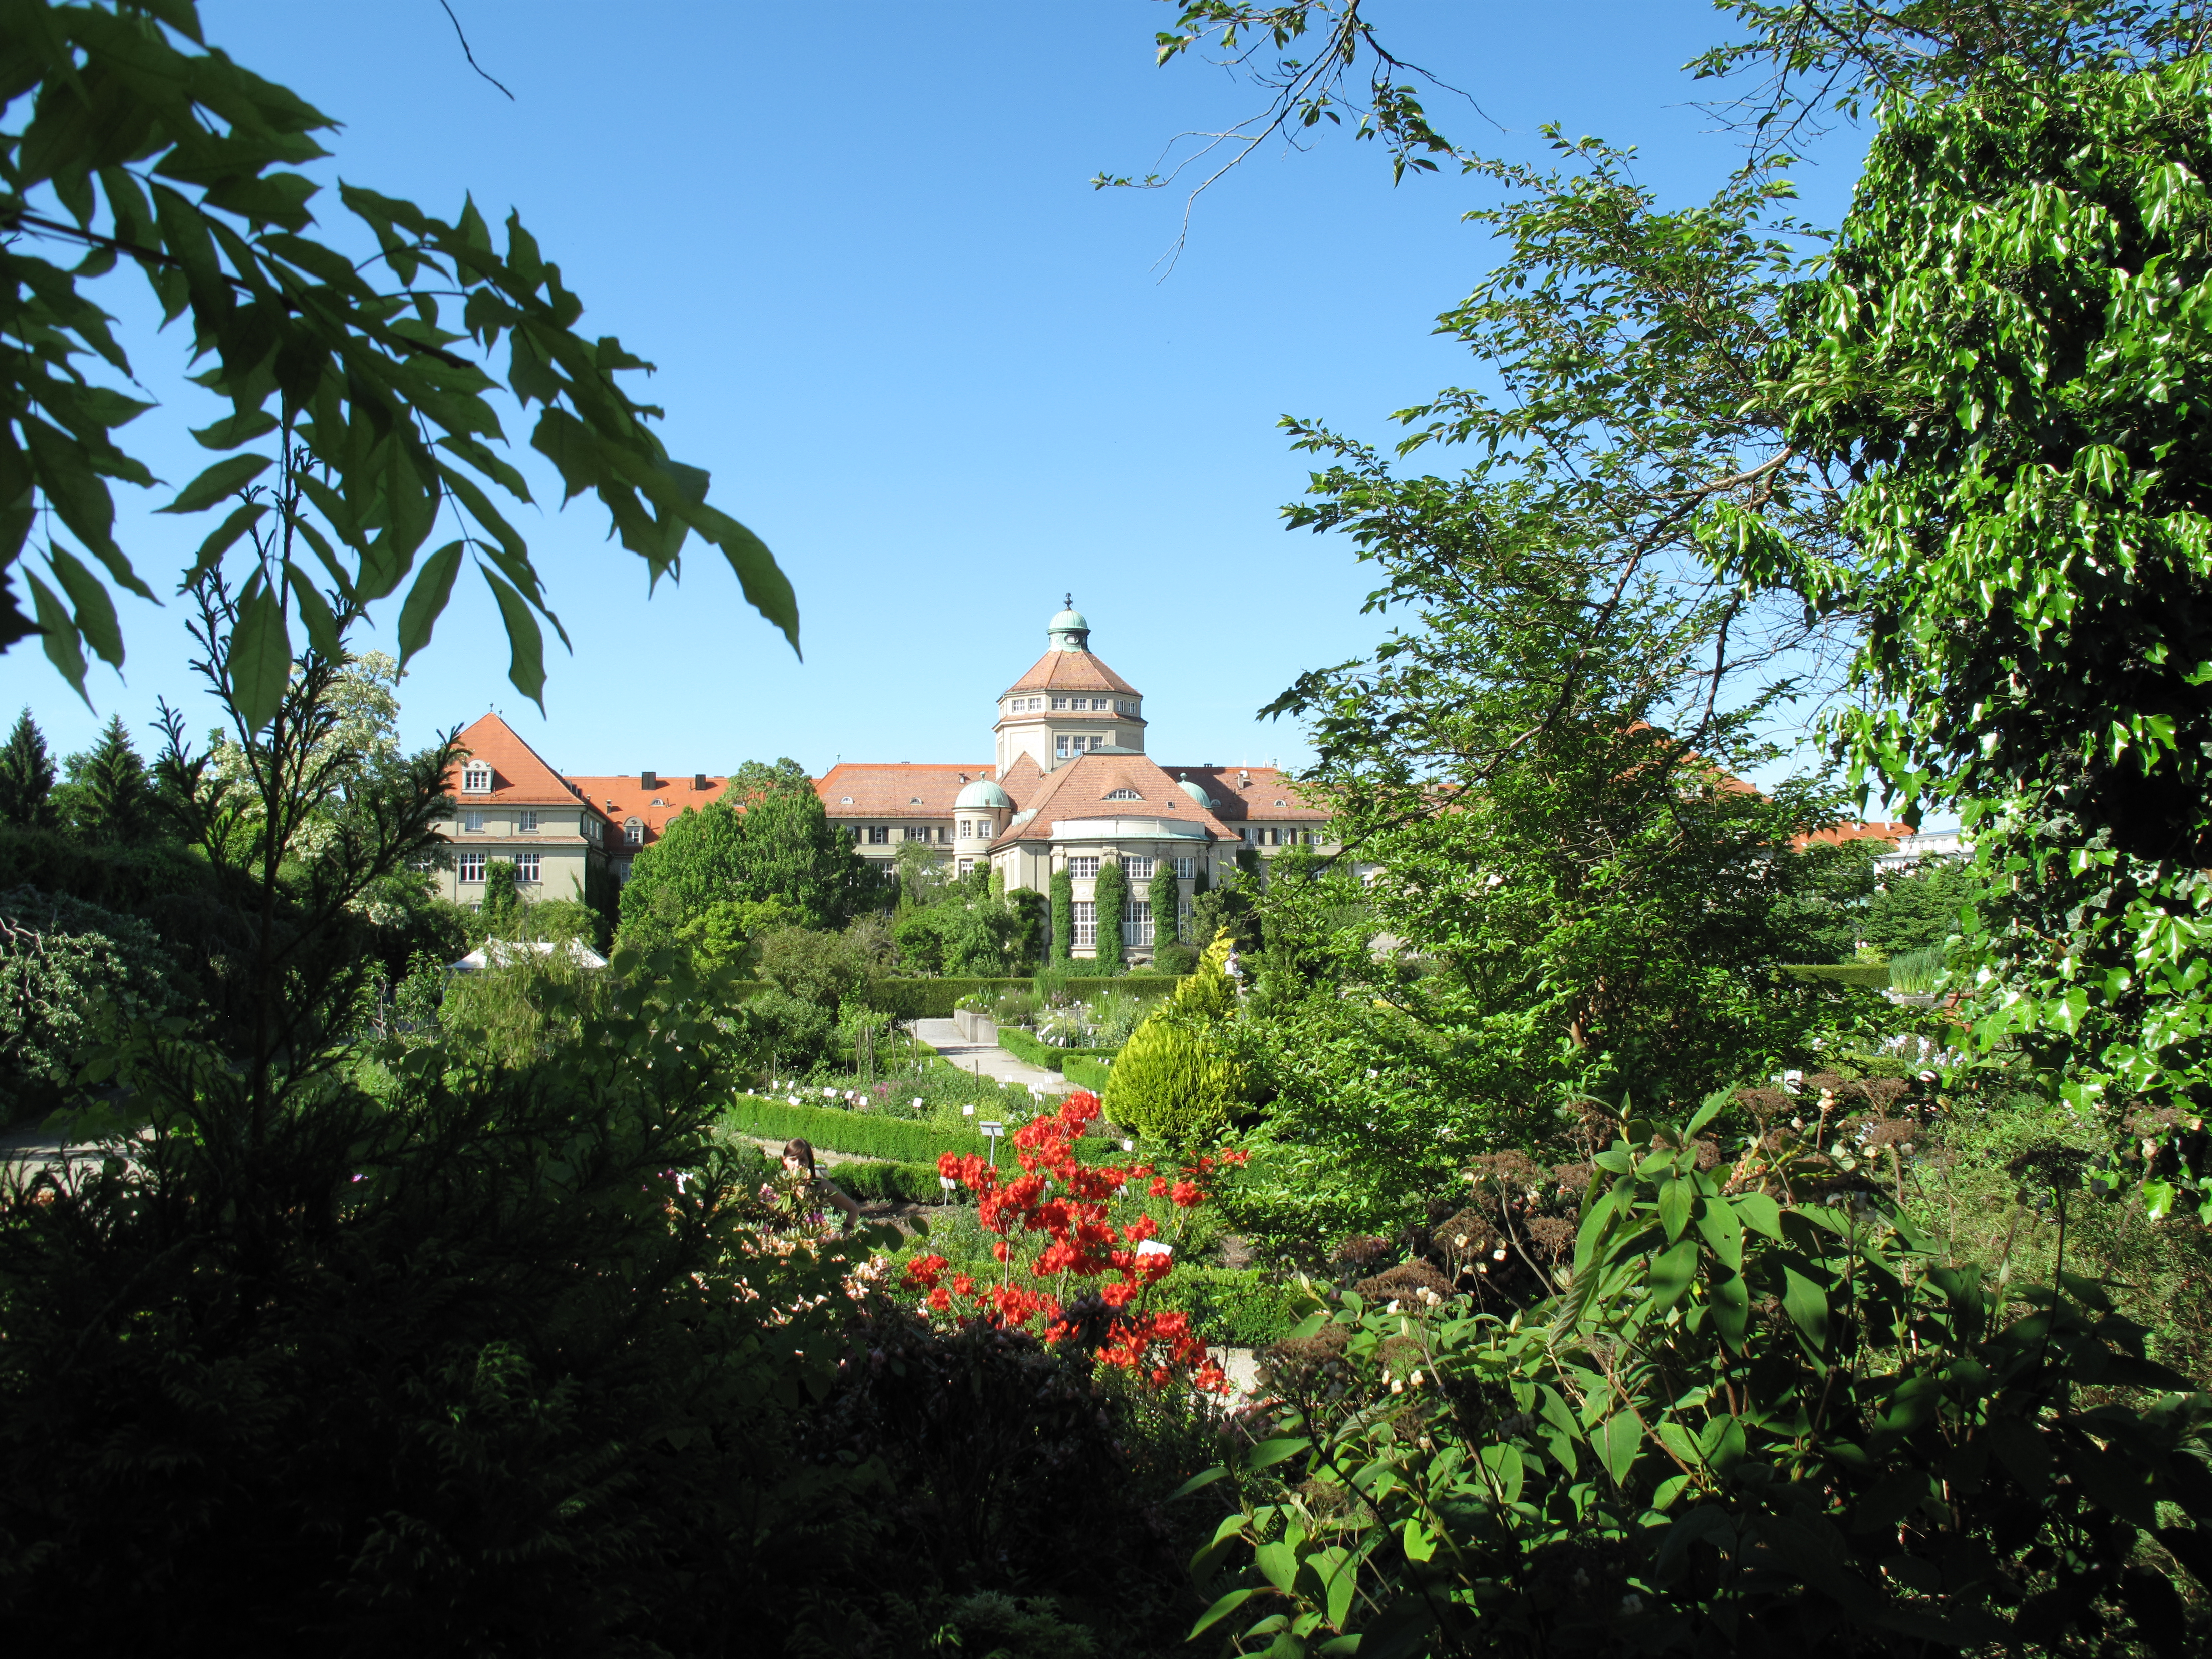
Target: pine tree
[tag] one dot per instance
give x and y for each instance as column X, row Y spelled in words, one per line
column 1166, row 896
column 27, row 778
column 1111, row 890
column 110, row 796
column 1063, row 915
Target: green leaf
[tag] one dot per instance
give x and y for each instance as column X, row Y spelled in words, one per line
column 1278, row 1563
column 232, row 430
column 525, row 645
column 57, row 634
column 1672, row 1274
column 1417, row 1544
column 1268, row 1453
column 220, row 540
column 1618, row 1443
column 1759, row 1211
column 96, row 611
column 225, row 478
column 1675, row 1197
column 1198, row 1482
column 1219, row 1611
column 260, row 655
column 1807, row 1304
column 426, row 599
column 1731, row 1301
column 314, row 615
column 1724, row 1233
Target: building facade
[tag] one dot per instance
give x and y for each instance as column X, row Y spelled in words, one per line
column 1069, row 787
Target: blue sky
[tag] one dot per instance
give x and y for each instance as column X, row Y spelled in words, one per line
column 943, row 377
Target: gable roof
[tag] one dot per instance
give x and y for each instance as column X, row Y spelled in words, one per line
column 1840, row 833
column 900, row 791
column 1022, row 778
column 1081, row 789
column 1242, row 793
column 1070, row 670
column 520, row 776
column 621, row 799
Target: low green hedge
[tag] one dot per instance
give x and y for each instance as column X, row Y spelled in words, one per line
column 915, row 1184
column 1085, row 1071
column 1235, row 1307
column 896, row 1140
column 936, row 998
column 1874, row 975
column 1025, row 1045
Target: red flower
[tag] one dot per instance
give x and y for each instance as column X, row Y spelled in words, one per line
column 924, row 1270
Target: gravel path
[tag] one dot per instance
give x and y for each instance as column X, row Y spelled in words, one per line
column 988, row 1059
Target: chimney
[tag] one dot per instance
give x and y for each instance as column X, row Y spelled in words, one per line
column 648, row 780
column 699, row 781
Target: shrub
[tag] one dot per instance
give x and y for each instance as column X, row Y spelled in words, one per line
column 913, row 1183
column 1873, row 975
column 1063, row 916
column 827, row 969
column 1087, row 1073
column 1237, row 1307
column 1177, row 1076
column 60, row 960
column 1916, row 973
column 862, row 1132
column 779, row 1031
column 1110, row 891
column 1176, row 959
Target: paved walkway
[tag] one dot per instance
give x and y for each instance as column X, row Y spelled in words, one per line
column 988, row 1059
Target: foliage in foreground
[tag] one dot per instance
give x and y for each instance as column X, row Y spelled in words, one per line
column 1753, row 1416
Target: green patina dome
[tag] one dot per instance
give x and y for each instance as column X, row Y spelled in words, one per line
column 1066, row 620
column 1196, row 794
column 980, row 796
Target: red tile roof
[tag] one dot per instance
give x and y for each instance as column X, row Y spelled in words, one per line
column 901, row 791
column 1079, row 790
column 1840, row 833
column 1022, row 778
column 1241, row 793
column 622, row 798
column 518, row 776
column 1070, row 670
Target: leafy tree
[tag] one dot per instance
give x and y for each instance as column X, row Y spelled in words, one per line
column 778, row 849
column 826, row 969
column 27, row 778
column 66, row 968
column 1229, row 906
column 108, row 796
column 760, row 778
column 1166, row 896
column 1111, row 892
column 146, row 153
column 1922, row 906
column 1063, row 916
column 501, row 909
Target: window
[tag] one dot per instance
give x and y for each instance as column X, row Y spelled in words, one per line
column 1060, row 702
column 878, row 834
column 1136, row 921
column 1086, row 922
column 476, row 778
column 1083, row 864
column 1123, row 794
column 1186, row 868
column 1060, row 747
column 844, row 800
column 621, row 871
column 526, row 868
column 917, row 832
column 525, row 824
column 1137, row 869
column 967, row 831
column 1311, row 838
column 634, row 832
column 965, row 866
column 1274, row 836
column 471, row 866
column 472, row 823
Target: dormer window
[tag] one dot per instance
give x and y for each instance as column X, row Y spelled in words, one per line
column 1123, row 794
column 476, row 778
column 634, row 832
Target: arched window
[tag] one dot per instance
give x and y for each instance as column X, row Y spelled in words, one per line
column 1123, row 794
column 634, row 832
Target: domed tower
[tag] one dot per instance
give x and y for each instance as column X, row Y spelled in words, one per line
column 979, row 813
column 1069, row 704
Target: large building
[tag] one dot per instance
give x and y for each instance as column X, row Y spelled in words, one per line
column 1069, row 787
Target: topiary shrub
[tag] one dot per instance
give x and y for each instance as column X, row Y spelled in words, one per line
column 1179, row 1074
column 1111, row 892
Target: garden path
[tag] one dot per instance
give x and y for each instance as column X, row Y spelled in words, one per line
column 987, row 1059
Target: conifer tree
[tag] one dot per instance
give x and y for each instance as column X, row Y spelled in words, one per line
column 1063, row 915
column 1112, row 892
column 27, row 778
column 1166, row 896
column 109, row 796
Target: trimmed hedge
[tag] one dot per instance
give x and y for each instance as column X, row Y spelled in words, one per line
column 896, row 1140
column 913, row 1183
column 1025, row 1046
column 1874, row 975
column 1086, row 1071
column 936, row 998
column 1237, row 1307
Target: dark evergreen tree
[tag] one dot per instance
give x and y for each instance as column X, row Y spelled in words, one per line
column 110, row 795
column 1166, row 896
column 27, row 778
column 1112, row 892
column 1063, row 915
